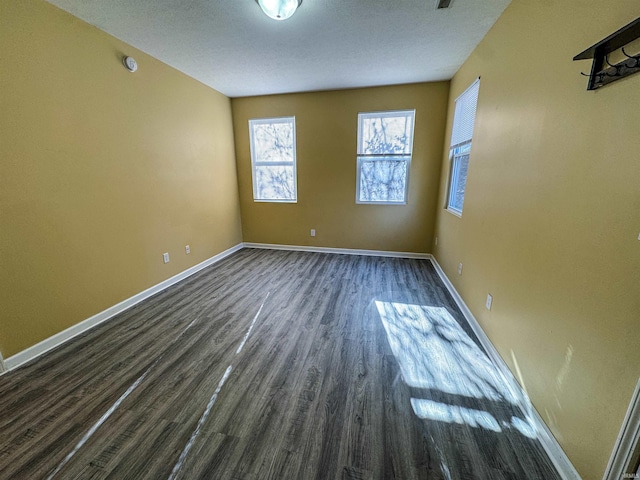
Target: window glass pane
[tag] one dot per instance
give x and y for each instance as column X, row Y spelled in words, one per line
column 275, row 183
column 273, row 158
column 459, row 181
column 273, row 142
column 383, row 180
column 386, row 133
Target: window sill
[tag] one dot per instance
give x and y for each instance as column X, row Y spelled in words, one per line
column 274, row 201
column 454, row 213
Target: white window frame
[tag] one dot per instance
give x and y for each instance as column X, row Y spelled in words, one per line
column 361, row 156
column 257, row 163
column 461, row 137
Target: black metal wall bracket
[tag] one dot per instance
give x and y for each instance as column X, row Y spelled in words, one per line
column 603, row 72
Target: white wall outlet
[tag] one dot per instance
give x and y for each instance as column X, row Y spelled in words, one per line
column 436, row 240
column 489, row 302
column 187, row 249
column 313, row 232
column 165, row 257
column 639, row 236
column 460, row 269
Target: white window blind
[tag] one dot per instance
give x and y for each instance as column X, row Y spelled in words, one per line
column 465, row 115
column 463, row 119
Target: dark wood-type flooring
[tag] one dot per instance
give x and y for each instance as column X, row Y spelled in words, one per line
column 273, row 365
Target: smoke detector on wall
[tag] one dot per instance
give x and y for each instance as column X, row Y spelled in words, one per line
column 130, row 64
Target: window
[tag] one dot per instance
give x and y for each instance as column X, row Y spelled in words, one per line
column 273, row 159
column 385, row 143
column 463, row 120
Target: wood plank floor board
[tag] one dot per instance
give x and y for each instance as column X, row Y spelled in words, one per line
column 90, row 416
column 186, row 372
column 119, row 460
column 308, row 388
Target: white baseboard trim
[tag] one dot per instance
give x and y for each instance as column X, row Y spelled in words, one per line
column 59, row 338
column 550, row 444
column 341, row 251
column 627, row 440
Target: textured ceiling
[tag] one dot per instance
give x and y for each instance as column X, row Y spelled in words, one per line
column 233, row 47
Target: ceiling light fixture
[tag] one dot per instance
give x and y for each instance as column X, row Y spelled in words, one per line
column 279, row 9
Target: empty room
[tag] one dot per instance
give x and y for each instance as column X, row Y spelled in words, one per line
column 318, row 239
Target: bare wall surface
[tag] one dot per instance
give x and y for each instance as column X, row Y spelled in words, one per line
column 101, row 171
column 326, row 125
column 550, row 223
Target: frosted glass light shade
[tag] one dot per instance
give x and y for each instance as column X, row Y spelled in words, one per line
column 279, row 9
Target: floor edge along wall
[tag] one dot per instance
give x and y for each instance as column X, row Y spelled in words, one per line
column 59, row 338
column 628, row 441
column 550, row 444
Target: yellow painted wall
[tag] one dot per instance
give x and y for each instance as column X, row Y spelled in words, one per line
column 326, row 128
column 101, row 171
column 551, row 218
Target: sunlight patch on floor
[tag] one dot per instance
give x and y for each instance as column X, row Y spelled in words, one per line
column 430, row 410
column 434, row 352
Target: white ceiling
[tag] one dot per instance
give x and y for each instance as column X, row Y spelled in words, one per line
column 233, row 47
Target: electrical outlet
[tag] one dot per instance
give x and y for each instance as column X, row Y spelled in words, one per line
column 165, row 257
column 489, row 302
column 313, row 232
column 187, row 249
column 639, row 236
column 460, row 269
column 436, row 241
